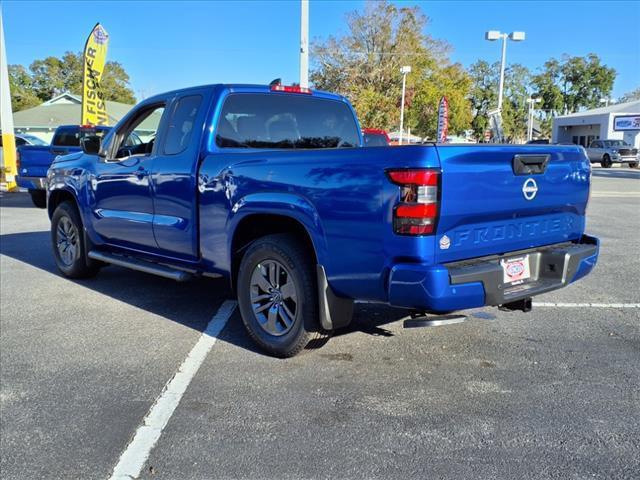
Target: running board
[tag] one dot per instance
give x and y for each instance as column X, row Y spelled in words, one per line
column 434, row 321
column 141, row 266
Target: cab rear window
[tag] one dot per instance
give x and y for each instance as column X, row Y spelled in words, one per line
column 67, row 137
column 70, row 136
column 285, row 121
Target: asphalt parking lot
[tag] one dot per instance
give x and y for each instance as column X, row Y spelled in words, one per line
column 550, row 394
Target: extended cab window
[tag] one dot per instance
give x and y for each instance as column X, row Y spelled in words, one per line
column 251, row 120
column 181, row 124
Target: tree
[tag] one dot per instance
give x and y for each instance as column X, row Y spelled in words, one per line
column 51, row 76
column 20, row 85
column 484, row 97
column 572, row 83
column 364, row 65
column 630, row 96
column 451, row 81
column 515, row 109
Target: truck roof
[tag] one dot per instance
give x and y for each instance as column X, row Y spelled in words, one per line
column 246, row 87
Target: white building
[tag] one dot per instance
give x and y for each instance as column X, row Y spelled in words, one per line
column 620, row 122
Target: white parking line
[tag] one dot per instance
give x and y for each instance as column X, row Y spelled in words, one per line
column 137, row 452
column 587, row 305
column 615, row 194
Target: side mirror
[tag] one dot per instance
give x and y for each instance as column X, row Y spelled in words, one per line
column 91, row 144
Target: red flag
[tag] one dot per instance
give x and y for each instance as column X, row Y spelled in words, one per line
column 443, row 120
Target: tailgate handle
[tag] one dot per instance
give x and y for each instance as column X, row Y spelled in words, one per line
column 530, row 164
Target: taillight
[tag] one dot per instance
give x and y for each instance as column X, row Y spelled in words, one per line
column 290, row 89
column 17, row 161
column 417, row 212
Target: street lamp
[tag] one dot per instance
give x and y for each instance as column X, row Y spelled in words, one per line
column 493, row 35
column 531, row 101
column 404, row 71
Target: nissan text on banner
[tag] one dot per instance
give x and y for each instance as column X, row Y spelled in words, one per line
column 443, row 120
column 94, row 108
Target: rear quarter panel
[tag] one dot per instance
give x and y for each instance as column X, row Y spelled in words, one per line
column 341, row 196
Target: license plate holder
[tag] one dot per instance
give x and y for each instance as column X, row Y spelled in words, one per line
column 515, row 270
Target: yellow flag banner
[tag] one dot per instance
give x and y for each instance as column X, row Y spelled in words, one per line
column 94, row 108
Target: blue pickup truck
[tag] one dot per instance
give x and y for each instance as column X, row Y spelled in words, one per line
column 272, row 188
column 33, row 160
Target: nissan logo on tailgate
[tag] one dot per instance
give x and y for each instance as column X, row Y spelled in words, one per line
column 530, row 189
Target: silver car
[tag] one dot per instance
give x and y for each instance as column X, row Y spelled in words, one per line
column 608, row 152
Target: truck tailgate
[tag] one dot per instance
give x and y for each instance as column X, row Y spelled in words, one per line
column 34, row 160
column 493, row 203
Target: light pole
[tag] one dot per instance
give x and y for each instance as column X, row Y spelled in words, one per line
column 404, row 71
column 304, row 43
column 531, row 101
column 493, row 35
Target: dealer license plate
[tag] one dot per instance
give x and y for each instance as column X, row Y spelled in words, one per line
column 515, row 270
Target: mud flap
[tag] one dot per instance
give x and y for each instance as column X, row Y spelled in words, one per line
column 335, row 312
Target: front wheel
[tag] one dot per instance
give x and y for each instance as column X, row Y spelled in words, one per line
column 633, row 165
column 277, row 295
column 69, row 248
column 606, row 161
column 38, row 198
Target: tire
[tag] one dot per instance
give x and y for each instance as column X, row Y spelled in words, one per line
column 39, row 198
column 68, row 241
column 606, row 161
column 633, row 165
column 269, row 265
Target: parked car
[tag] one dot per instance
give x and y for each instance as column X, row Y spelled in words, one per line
column 268, row 187
column 26, row 139
column 374, row 137
column 608, row 152
column 34, row 159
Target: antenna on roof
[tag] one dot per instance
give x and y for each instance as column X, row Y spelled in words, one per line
column 277, row 81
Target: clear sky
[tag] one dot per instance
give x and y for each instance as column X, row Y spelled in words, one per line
column 166, row 44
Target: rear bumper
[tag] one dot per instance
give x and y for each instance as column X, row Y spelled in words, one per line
column 32, row 183
column 479, row 282
column 625, row 159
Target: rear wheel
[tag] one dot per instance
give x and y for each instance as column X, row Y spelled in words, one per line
column 277, row 295
column 606, row 161
column 39, row 198
column 69, row 248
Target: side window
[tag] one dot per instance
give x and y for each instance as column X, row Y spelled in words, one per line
column 181, row 124
column 138, row 136
column 20, row 141
column 595, row 144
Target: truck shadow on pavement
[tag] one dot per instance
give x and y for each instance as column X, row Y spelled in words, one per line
column 191, row 304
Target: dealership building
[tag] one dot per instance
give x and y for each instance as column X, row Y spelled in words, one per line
column 614, row 122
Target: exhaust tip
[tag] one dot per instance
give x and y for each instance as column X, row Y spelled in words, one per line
column 524, row 305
